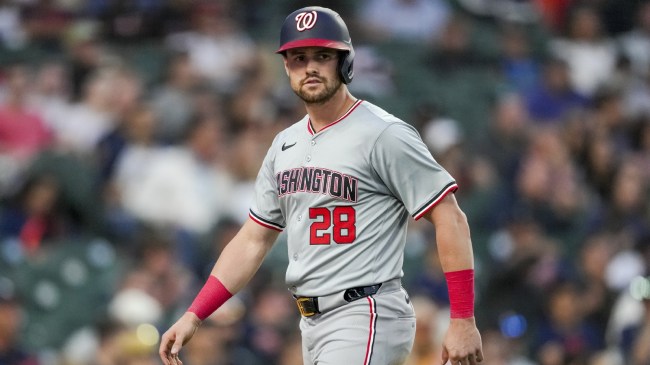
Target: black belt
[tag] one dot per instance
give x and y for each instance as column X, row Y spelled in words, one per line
column 308, row 306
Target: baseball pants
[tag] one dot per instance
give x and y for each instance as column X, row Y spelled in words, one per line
column 375, row 330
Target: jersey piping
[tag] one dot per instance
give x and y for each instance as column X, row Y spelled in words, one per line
column 265, row 222
column 450, row 188
column 354, row 106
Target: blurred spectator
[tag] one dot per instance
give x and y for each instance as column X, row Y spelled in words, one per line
column 272, row 319
column 412, row 21
column 132, row 306
column 132, row 349
column 195, row 187
column 592, row 263
column 220, row 340
column 156, row 272
column 639, row 353
column 36, row 215
column 600, row 163
column 173, row 99
column 505, row 143
column 254, row 104
column 23, row 133
column 134, row 136
column 609, row 119
column 635, row 94
column 245, row 159
column 127, row 92
column 553, row 97
column 85, row 52
column 564, row 336
column 374, row 73
column 128, row 21
column 517, row 255
column 498, row 350
column 80, row 128
column 637, row 107
column 545, row 166
column 206, row 102
column 553, row 13
column 107, row 349
column 51, row 92
column 218, row 49
column 134, row 123
column 11, row 320
column 635, row 44
column 292, row 351
column 575, row 134
column 45, row 22
column 591, row 56
column 454, row 51
column 133, row 129
column 428, row 336
column 12, row 32
column 430, row 281
column 626, row 208
column 121, row 154
column 441, row 134
column 99, row 344
column 641, row 142
column 520, row 68
column 110, row 342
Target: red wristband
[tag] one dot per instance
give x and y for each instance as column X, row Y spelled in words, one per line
column 212, row 296
column 460, row 285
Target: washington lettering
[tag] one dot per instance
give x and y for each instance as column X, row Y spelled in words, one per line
column 317, row 180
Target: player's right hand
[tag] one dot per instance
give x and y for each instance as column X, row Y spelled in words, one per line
column 177, row 336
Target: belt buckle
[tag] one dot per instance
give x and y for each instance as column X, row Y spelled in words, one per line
column 307, row 306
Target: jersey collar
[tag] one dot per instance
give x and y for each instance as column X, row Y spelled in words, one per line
column 354, row 106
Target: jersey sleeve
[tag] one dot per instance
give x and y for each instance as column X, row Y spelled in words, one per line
column 405, row 165
column 265, row 209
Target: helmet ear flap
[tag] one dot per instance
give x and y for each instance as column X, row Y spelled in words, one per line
column 346, row 65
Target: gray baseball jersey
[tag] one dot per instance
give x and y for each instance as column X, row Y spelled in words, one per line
column 344, row 195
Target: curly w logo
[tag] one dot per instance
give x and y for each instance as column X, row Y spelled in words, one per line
column 306, row 20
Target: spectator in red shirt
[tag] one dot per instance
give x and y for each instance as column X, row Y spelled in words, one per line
column 23, row 133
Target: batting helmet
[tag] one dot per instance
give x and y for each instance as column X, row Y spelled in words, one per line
column 315, row 26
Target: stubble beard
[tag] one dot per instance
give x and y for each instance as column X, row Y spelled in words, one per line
column 321, row 97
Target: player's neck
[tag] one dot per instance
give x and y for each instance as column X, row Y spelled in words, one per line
column 321, row 115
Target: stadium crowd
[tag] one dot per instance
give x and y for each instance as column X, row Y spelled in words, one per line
column 131, row 133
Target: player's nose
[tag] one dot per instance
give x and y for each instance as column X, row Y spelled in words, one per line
column 311, row 66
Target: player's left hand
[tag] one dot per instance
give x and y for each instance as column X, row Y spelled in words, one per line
column 462, row 344
column 177, row 336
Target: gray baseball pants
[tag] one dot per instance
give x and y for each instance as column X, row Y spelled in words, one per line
column 375, row 330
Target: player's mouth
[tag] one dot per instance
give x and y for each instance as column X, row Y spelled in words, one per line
column 312, row 80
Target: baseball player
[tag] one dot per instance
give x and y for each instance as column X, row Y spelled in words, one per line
column 342, row 182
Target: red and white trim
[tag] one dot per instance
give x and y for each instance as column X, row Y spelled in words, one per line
column 450, row 188
column 354, row 106
column 314, row 42
column 264, row 222
column 373, row 330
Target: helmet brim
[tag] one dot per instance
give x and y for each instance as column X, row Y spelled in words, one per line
column 314, row 42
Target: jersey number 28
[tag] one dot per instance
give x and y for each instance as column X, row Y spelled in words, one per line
column 342, row 219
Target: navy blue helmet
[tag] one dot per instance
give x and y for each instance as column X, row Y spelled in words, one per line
column 315, row 26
